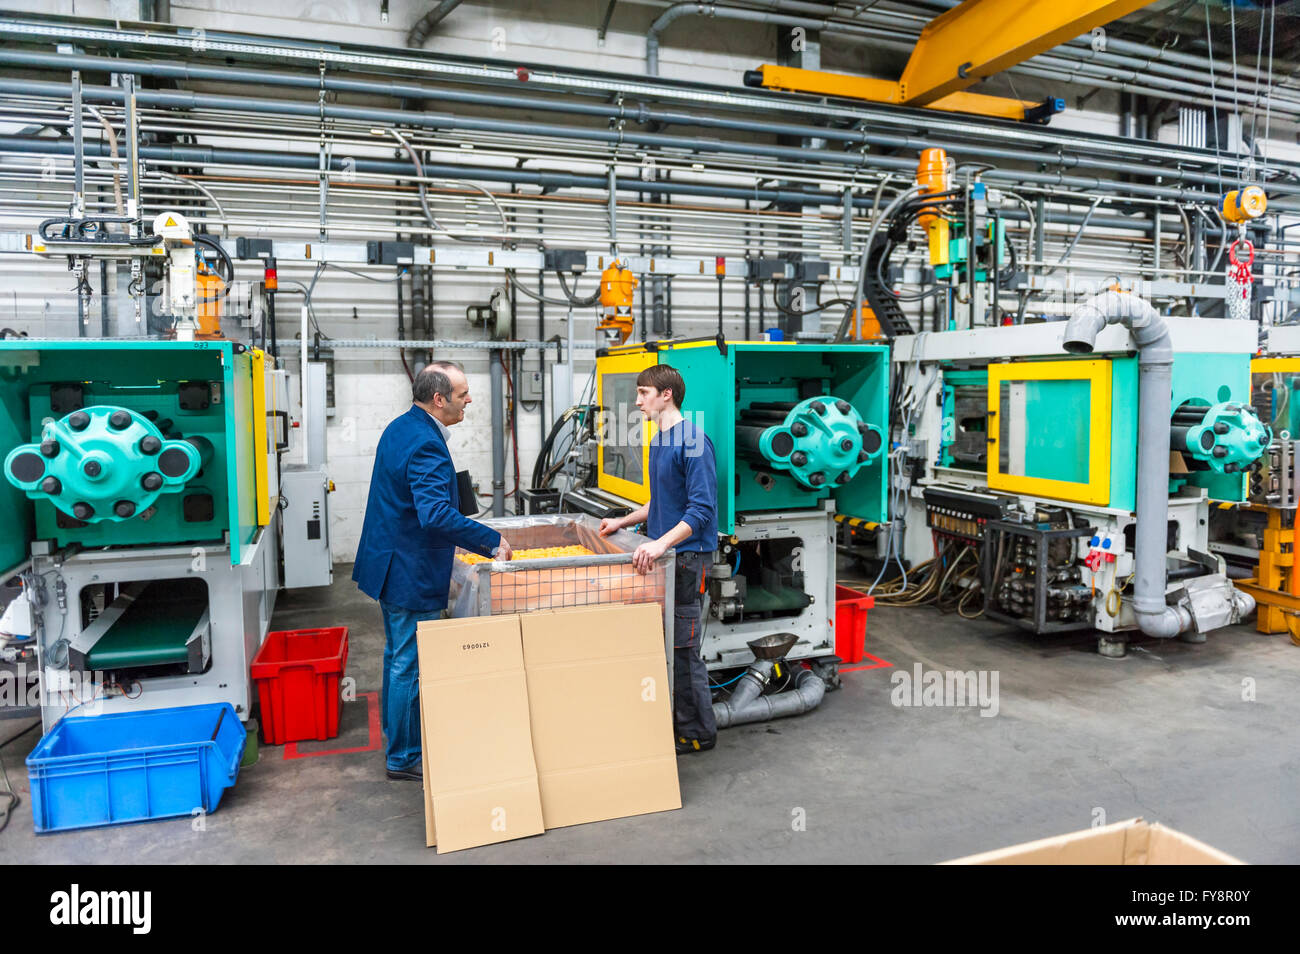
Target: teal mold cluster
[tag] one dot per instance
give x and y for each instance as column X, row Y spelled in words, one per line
column 103, row 463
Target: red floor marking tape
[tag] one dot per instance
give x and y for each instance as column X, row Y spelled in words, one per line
column 376, row 735
column 879, row 664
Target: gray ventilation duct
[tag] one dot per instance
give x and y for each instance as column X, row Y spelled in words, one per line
column 1155, row 407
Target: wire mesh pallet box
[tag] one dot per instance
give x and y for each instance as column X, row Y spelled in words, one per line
column 496, row 588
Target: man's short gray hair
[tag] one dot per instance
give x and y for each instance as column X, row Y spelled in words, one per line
column 432, row 379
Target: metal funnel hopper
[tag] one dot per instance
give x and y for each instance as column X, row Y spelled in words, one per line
column 772, row 647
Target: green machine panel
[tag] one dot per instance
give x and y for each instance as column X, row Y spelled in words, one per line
column 83, row 415
column 773, row 387
column 1199, row 380
column 1046, row 426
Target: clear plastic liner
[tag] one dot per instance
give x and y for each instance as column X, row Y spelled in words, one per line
column 501, row 587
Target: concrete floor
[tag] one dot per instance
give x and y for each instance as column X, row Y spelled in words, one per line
column 1164, row 734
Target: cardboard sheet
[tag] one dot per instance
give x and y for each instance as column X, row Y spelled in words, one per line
column 480, row 778
column 599, row 698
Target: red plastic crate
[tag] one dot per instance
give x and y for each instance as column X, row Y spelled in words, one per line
column 851, row 623
column 297, row 675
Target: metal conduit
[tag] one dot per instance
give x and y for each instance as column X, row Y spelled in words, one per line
column 210, row 155
column 441, row 120
column 641, row 115
column 722, row 97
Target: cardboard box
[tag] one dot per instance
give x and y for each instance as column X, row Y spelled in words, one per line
column 1132, row 842
column 598, row 694
column 480, row 779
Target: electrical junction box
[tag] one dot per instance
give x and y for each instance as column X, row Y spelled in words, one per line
column 530, row 386
column 390, row 253
column 304, row 499
column 565, row 260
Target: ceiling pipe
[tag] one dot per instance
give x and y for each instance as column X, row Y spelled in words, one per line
column 602, row 84
column 214, row 155
column 447, row 121
column 856, row 159
column 205, row 155
column 425, row 26
column 373, row 115
column 679, row 10
column 640, row 114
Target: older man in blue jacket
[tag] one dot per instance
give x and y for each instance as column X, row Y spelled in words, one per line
column 412, row 528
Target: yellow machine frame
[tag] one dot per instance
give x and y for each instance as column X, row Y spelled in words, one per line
column 261, row 459
column 1274, row 365
column 1098, row 375
column 626, row 363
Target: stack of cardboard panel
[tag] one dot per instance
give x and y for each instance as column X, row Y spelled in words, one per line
column 544, row 720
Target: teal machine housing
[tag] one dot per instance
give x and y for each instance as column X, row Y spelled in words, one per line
column 748, row 388
column 800, row 436
column 1211, row 393
column 129, row 484
column 1200, row 381
column 192, row 399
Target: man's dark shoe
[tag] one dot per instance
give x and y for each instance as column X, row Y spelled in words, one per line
column 415, row 774
column 685, row 745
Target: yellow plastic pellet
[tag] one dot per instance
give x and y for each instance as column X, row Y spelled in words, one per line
column 536, row 553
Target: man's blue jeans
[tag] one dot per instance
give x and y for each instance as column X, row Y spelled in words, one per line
column 400, row 700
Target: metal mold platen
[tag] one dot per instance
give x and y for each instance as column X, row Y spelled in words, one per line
column 773, row 646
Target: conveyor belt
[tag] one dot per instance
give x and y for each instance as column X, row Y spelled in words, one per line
column 154, row 629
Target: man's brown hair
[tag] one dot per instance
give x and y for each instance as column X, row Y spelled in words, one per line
column 664, row 377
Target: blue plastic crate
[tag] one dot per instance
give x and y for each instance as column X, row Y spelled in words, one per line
column 91, row 771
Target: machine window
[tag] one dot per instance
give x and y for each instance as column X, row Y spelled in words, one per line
column 622, row 428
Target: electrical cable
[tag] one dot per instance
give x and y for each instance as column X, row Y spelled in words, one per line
column 574, row 300
column 208, row 242
column 822, row 306
column 899, row 296
column 1268, row 100
column 1033, row 222
column 369, row 278
column 896, row 457
column 112, row 151
column 724, row 685
column 306, row 293
column 843, row 329
column 8, row 792
column 514, row 280
column 1077, row 235
column 912, row 210
column 424, row 198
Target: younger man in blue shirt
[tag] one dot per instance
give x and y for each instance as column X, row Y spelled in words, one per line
column 682, row 513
